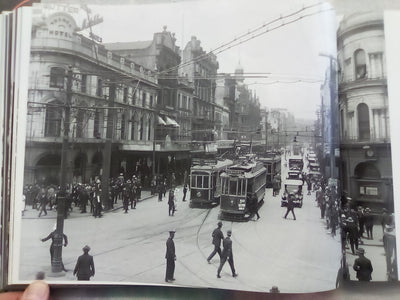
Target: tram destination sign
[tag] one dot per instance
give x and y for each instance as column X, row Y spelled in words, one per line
column 203, row 162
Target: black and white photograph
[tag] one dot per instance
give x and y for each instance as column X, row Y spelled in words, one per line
column 238, row 145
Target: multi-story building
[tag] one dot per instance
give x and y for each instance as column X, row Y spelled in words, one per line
column 175, row 97
column 201, row 69
column 112, row 100
column 366, row 169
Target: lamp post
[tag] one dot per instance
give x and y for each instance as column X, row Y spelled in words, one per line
column 56, row 263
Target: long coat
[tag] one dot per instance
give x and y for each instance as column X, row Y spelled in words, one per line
column 217, row 236
column 84, row 267
column 363, row 267
column 227, row 251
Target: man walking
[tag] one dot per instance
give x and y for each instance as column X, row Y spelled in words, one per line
column 217, row 236
column 84, row 268
column 362, row 266
column 227, row 254
column 170, row 257
column 171, row 203
column 290, row 206
column 185, row 188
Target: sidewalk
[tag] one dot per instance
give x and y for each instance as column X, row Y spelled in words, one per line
column 374, row 251
column 30, row 213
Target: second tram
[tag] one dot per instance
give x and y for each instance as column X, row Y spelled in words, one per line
column 205, row 186
column 272, row 163
column 239, row 184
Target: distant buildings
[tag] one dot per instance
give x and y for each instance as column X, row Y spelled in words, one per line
column 363, row 109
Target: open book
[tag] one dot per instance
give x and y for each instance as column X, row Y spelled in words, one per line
column 233, row 145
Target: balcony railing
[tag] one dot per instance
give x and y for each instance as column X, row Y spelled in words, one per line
column 358, row 140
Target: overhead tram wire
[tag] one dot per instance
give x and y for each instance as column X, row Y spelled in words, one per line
column 250, row 32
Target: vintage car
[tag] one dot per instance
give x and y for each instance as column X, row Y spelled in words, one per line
column 294, row 174
column 314, row 167
column 295, row 187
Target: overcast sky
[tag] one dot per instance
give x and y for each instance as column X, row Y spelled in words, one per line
column 289, row 53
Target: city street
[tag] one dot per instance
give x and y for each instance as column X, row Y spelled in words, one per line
column 296, row 256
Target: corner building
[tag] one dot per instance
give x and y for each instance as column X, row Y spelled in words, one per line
column 366, row 166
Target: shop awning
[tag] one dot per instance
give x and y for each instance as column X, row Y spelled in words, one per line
column 171, row 122
column 160, row 121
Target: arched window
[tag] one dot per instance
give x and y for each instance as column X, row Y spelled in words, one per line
column 57, row 77
column 363, row 122
column 360, row 64
column 53, row 119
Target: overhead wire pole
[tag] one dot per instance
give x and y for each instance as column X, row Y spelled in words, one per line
column 57, row 264
column 105, row 176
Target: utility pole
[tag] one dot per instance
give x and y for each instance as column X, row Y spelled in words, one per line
column 57, row 264
column 266, row 131
column 105, row 178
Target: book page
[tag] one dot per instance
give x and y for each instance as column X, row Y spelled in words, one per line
column 148, row 124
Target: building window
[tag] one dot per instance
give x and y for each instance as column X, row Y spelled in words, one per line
column 83, row 83
column 141, row 129
column 151, row 100
column 80, row 123
column 57, row 76
column 360, row 64
column 123, row 127
column 133, row 128
column 149, row 130
column 99, row 90
column 125, row 99
column 96, row 126
column 363, row 122
column 53, row 119
column 144, row 99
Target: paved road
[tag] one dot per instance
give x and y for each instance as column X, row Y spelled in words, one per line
column 297, row 256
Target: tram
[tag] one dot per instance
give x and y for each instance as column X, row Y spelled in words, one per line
column 296, row 162
column 205, row 182
column 272, row 162
column 239, row 184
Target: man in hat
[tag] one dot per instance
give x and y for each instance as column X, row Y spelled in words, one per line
column 389, row 244
column 227, row 255
column 217, row 236
column 290, row 206
column 369, row 223
column 170, row 257
column 352, row 233
column 362, row 266
column 171, row 203
column 84, row 268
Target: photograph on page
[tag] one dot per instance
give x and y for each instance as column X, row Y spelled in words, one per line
column 190, row 143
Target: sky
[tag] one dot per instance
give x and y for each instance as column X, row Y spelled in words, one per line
column 290, row 53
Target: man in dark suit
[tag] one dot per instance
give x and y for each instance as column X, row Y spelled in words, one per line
column 362, row 266
column 171, row 257
column 227, row 255
column 84, row 268
column 217, row 236
column 290, row 206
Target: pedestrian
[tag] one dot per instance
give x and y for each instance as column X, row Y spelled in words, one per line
column 227, row 254
column 363, row 266
column 290, row 206
column 322, row 206
column 217, row 238
column 309, row 186
column 125, row 198
column 160, row 192
column 171, row 203
column 369, row 223
column 54, row 236
column 43, row 202
column 185, row 188
column 84, row 268
column 170, row 256
column 385, row 219
column 253, row 205
column 352, row 234
column 389, row 245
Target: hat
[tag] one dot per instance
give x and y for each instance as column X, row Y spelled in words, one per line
column 86, row 248
column 360, row 251
column 219, row 223
column 229, row 232
column 349, row 219
column 368, row 209
column 172, row 230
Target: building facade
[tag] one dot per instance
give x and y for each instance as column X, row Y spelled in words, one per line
column 366, row 169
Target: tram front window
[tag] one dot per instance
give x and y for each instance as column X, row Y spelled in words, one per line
column 233, row 187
